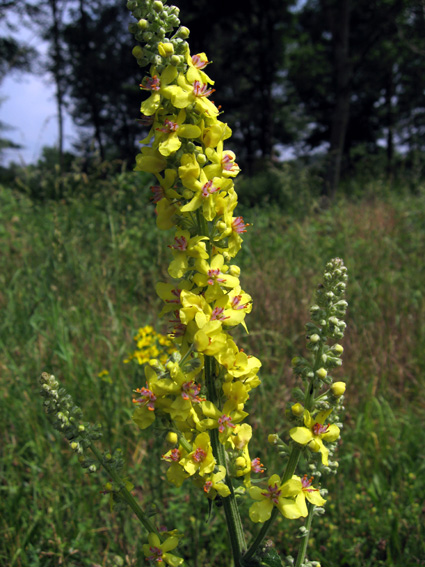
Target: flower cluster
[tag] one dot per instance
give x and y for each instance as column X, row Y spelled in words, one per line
column 149, row 345
column 204, row 386
column 199, row 394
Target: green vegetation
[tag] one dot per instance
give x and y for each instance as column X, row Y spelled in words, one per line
column 77, row 281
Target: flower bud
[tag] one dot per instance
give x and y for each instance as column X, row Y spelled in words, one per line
column 201, row 159
column 314, row 338
column 273, row 438
column 137, row 52
column 321, row 373
column 142, row 24
column 175, row 60
column 187, row 194
column 165, row 49
column 92, row 468
column 234, row 271
column 172, row 437
column 338, row 388
column 183, row 32
column 297, row 410
column 338, row 349
column 240, row 462
column 158, row 6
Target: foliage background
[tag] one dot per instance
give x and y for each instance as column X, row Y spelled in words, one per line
column 77, row 279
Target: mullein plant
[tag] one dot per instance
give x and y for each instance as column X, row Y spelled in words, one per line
column 198, row 394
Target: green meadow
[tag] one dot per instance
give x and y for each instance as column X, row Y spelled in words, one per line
column 77, row 276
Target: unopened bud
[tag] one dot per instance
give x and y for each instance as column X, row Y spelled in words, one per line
column 273, row 438
column 165, row 49
column 321, row 373
column 338, row 349
column 338, row 389
column 297, row 410
column 201, row 159
column 183, row 32
column 92, row 468
column 158, row 6
column 175, row 60
column 142, row 25
column 137, row 52
column 234, row 271
column 314, row 338
column 240, row 462
column 172, row 437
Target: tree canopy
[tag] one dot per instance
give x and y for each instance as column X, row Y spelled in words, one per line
column 340, row 78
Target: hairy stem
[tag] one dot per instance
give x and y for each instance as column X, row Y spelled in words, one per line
column 233, row 519
column 124, row 493
column 303, row 547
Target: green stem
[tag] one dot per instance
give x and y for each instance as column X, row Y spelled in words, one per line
column 186, row 356
column 124, row 493
column 303, row 548
column 231, row 511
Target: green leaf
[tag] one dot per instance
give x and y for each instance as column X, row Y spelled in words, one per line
column 271, row 558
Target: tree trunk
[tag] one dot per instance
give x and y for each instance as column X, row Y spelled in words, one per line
column 57, row 70
column 390, row 123
column 339, row 15
column 94, row 107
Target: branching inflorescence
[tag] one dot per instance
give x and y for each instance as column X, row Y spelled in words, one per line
column 199, row 394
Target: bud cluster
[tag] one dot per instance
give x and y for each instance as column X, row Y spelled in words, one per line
column 154, row 29
column 66, row 417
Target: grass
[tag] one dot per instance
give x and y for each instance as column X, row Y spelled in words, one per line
column 76, row 282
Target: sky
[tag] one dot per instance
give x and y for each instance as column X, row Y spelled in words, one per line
column 28, row 107
column 27, row 104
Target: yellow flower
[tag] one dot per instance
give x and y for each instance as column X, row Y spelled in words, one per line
column 224, row 420
column 315, row 432
column 212, row 274
column 175, row 472
column 201, row 459
column 267, row 498
column 150, row 160
column 185, row 93
column 301, row 489
column 157, row 552
column 213, row 484
column 156, row 85
column 185, row 247
column 172, row 129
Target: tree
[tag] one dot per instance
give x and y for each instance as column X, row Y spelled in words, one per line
column 248, row 47
column 350, row 73
column 102, row 77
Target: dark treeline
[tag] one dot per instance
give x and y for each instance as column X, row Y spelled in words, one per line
column 340, row 81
